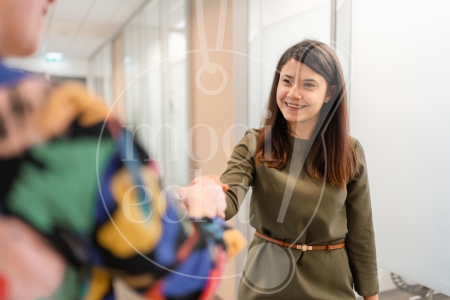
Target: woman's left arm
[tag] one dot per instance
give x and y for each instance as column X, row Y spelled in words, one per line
column 360, row 239
column 374, row 297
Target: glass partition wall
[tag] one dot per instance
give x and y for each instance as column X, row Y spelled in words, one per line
column 100, row 73
column 155, row 81
column 155, row 75
column 176, row 78
column 143, row 80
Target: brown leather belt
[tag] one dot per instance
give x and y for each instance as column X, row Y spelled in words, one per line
column 303, row 247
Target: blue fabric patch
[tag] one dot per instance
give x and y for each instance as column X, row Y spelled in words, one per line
column 133, row 165
column 197, row 264
column 165, row 251
column 105, row 181
column 9, row 76
column 94, row 256
column 216, row 229
column 109, row 296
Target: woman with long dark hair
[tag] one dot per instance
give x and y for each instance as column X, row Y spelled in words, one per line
column 310, row 202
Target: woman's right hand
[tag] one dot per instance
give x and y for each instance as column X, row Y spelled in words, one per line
column 205, row 197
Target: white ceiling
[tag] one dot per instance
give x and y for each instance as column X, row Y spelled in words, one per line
column 78, row 28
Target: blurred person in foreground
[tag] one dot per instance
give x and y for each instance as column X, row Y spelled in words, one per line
column 81, row 208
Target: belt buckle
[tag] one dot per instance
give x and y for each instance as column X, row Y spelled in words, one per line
column 303, row 247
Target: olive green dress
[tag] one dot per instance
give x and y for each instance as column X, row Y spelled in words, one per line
column 289, row 205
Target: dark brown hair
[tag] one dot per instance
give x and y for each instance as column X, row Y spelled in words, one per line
column 331, row 128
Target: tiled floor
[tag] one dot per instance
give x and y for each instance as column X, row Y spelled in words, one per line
column 400, row 295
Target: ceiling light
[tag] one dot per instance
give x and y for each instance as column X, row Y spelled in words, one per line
column 53, row 57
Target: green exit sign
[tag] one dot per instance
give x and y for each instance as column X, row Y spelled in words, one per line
column 53, row 58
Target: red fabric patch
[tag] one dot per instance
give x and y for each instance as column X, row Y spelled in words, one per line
column 189, row 244
column 215, row 275
column 3, row 288
column 155, row 292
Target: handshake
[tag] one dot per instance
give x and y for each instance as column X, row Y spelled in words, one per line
column 204, row 197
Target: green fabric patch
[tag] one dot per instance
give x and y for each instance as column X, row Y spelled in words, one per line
column 64, row 193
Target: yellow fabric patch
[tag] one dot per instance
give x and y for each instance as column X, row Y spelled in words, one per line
column 99, row 286
column 235, row 241
column 141, row 232
column 67, row 102
column 141, row 281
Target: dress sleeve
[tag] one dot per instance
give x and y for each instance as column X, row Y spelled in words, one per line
column 239, row 173
column 360, row 241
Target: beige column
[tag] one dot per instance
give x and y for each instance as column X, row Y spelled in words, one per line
column 211, row 95
column 118, row 78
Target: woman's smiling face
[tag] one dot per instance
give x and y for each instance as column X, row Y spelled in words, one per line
column 301, row 92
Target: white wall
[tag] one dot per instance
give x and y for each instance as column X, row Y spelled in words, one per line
column 66, row 68
column 399, row 111
column 381, row 87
